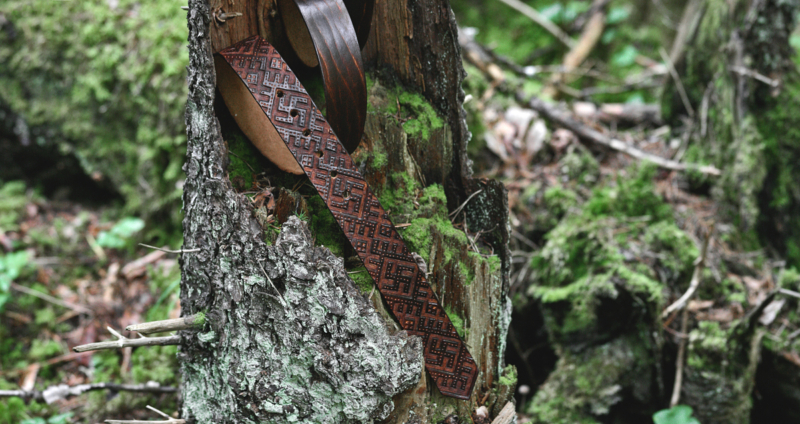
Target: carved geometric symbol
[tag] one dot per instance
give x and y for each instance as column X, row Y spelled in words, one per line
column 356, row 209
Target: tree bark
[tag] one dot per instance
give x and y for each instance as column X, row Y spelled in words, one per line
column 288, row 335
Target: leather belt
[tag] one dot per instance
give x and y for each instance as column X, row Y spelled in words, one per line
column 322, row 33
column 270, row 104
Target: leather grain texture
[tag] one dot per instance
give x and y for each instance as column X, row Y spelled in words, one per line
column 325, row 160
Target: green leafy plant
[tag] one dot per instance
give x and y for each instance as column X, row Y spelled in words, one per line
column 55, row 419
column 12, row 199
column 11, row 265
column 679, row 414
column 119, row 236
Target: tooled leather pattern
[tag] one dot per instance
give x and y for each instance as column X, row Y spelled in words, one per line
column 356, row 208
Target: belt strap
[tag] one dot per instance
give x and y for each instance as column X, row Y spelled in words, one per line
column 253, row 80
column 322, row 33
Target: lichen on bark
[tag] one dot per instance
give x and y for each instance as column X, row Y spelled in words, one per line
column 316, row 352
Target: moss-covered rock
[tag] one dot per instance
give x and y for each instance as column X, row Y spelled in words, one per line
column 601, row 279
column 747, row 128
column 586, row 384
column 591, row 273
column 720, row 369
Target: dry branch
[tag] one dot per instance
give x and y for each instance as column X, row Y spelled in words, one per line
column 678, row 83
column 590, row 35
column 541, row 21
column 123, row 341
column 51, row 299
column 63, row 391
column 169, row 420
column 681, row 303
column 161, row 249
column 550, row 113
column 177, row 324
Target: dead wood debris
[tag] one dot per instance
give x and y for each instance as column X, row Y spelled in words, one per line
column 551, row 114
column 681, row 304
column 63, row 391
column 478, row 56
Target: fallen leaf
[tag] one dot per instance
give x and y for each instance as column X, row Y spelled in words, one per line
column 697, row 305
column 771, row 311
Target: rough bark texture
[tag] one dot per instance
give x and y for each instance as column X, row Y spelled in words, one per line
column 414, row 156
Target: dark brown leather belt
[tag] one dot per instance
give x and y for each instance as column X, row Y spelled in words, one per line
column 322, row 33
column 270, row 104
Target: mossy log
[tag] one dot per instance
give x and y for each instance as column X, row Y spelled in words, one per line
column 738, row 67
column 740, row 75
column 256, row 276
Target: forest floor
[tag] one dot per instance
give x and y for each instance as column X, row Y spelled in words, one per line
column 73, row 272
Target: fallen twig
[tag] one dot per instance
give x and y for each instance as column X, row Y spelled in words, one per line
column 455, row 213
column 741, row 70
column 681, row 303
column 678, row 84
column 676, row 389
column 789, row 292
column 63, row 391
column 590, row 35
column 123, row 341
column 698, row 268
column 51, row 299
column 169, row 420
column 550, row 113
column 169, row 250
column 541, row 21
column 634, row 113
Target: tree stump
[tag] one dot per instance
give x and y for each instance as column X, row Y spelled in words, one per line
column 294, row 329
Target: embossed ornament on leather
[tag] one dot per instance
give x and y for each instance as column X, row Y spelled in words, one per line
column 288, row 112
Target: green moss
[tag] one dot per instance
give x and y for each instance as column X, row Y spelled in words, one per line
column 44, row 349
column 458, row 322
column 243, row 161
column 586, row 383
column 108, row 81
column 708, row 346
column 398, row 194
column 363, row 280
column 200, row 319
column 560, row 200
column 12, row 409
column 12, row 201
column 779, row 124
column 432, row 207
column 380, row 159
column 632, row 197
column 323, row 225
column 586, row 261
column 158, row 363
column 790, row 279
column 580, row 166
column 467, row 273
column 418, row 117
column 509, row 376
